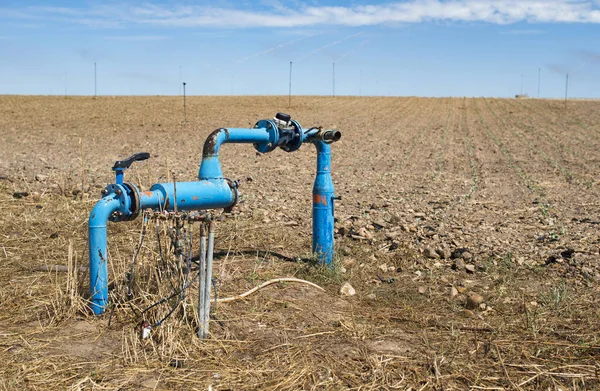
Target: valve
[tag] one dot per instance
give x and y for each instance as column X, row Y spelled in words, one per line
column 122, row 165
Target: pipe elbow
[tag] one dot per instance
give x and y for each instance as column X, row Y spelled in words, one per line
column 213, row 142
column 102, row 211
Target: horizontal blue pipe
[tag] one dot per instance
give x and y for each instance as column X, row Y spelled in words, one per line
column 98, row 253
column 210, row 168
column 197, row 195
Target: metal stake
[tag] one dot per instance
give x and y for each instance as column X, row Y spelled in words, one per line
column 208, row 277
column 184, row 107
column 202, row 324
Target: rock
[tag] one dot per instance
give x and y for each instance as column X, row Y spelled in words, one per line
column 349, row 262
column 461, row 289
column 371, row 296
column 444, row 253
column 453, row 292
column 347, row 290
column 41, row 177
column 459, row 264
column 343, row 270
column 422, row 290
column 383, row 267
column 346, row 250
column 470, row 268
column 468, row 313
column 473, row 301
column 429, row 253
column 467, row 256
column 458, row 252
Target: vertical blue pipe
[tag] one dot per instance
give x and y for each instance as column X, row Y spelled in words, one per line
column 323, row 197
column 98, row 254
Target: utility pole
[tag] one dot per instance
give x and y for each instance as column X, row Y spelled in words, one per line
column 290, row 88
column 184, row 107
column 521, row 84
column 360, row 83
column 334, row 79
column 566, row 89
column 95, row 83
column 539, row 80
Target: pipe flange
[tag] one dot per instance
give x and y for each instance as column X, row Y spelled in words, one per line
column 298, row 139
column 273, row 131
column 123, row 194
column 134, row 207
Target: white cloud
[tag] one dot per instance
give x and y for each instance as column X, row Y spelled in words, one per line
column 136, row 37
column 278, row 15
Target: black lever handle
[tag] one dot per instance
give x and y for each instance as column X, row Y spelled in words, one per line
column 124, row 164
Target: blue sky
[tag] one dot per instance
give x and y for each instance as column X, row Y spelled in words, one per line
column 414, row 47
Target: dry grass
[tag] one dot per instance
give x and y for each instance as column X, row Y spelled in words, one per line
column 414, row 173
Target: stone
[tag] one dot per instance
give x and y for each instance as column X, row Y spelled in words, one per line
column 41, row 177
column 459, row 264
column 473, row 301
column 347, row 290
column 467, row 256
column 422, row 290
column 383, row 267
column 470, row 268
column 444, row 253
column 371, row 296
column 468, row 313
column 349, row 262
column 453, row 292
column 429, row 253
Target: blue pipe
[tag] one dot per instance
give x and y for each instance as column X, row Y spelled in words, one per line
column 123, row 201
column 98, row 254
column 323, row 208
column 210, row 168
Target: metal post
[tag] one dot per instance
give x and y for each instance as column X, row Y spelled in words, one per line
column 208, row 276
column 539, row 81
column 521, row 84
column 566, row 89
column 184, row 107
column 202, row 327
column 290, row 89
column 360, row 83
column 334, row 79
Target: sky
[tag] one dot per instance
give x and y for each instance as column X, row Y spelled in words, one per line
column 240, row 47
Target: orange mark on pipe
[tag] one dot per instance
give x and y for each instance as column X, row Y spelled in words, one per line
column 319, row 199
column 148, row 193
column 194, row 198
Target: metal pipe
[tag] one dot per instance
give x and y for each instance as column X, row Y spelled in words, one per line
column 323, row 208
column 202, row 331
column 197, row 195
column 98, row 252
column 210, row 168
column 208, row 276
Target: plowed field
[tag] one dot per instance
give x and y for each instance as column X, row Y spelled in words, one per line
column 469, row 229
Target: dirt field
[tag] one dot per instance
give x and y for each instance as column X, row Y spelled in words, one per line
column 468, row 227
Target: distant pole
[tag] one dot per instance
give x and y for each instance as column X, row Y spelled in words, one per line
column 180, row 81
column 184, row 107
column 360, row 83
column 334, row 79
column 95, row 83
column 290, row 89
column 566, row 89
column 539, row 81
column 521, row 84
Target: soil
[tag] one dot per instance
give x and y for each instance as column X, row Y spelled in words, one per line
column 442, row 199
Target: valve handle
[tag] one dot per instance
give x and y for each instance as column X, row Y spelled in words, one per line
column 124, row 164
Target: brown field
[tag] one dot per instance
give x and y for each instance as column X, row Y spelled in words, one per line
column 442, row 198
